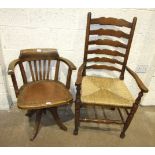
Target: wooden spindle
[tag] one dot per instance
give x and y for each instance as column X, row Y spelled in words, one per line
column 35, row 68
column 31, row 70
column 68, row 78
column 40, row 70
column 57, row 70
column 23, row 72
column 48, row 69
column 44, row 70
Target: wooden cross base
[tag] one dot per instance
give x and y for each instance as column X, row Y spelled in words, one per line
column 39, row 113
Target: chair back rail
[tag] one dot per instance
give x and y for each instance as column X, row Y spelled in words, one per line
column 111, row 21
column 113, row 35
column 36, row 66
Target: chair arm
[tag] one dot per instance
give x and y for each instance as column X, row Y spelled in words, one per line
column 138, row 80
column 13, row 77
column 79, row 75
column 12, row 66
column 68, row 62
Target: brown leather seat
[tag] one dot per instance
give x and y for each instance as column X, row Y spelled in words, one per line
column 43, row 94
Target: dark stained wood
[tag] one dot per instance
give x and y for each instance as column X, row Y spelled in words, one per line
column 80, row 74
column 87, row 36
column 68, row 78
column 128, row 47
column 86, row 40
column 57, row 70
column 31, row 70
column 111, row 21
column 140, row 84
column 103, row 67
column 109, row 32
column 36, row 71
column 32, row 95
column 68, row 63
column 57, row 119
column 126, row 110
column 38, row 54
column 131, row 114
column 40, row 70
column 30, row 113
column 12, row 66
column 106, row 51
column 37, row 123
column 77, row 109
column 103, row 59
column 23, row 73
column 44, row 69
column 15, row 85
column 120, row 113
column 107, row 42
column 48, row 69
column 106, row 121
column 125, row 119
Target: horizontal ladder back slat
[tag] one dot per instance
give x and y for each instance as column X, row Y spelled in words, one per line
column 107, row 42
column 106, row 51
column 111, row 21
column 110, row 32
column 103, row 59
column 103, row 67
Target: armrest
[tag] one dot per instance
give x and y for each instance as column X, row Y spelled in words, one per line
column 12, row 66
column 79, row 75
column 138, row 80
column 68, row 62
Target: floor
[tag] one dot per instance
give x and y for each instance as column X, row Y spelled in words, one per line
column 16, row 129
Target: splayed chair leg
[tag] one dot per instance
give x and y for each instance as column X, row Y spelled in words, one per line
column 57, row 119
column 37, row 123
column 30, row 113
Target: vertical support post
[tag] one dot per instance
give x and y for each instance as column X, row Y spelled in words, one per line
column 77, row 109
column 131, row 114
column 86, row 40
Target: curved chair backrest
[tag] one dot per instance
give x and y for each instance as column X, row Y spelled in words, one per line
column 110, row 34
column 39, row 62
column 35, row 65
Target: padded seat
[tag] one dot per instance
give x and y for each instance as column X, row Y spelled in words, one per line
column 43, row 94
column 105, row 91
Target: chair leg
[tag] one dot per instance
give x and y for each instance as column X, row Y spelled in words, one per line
column 30, row 113
column 57, row 119
column 128, row 120
column 37, row 124
column 77, row 117
column 77, row 109
column 131, row 114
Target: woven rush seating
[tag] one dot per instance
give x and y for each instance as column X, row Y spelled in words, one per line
column 105, row 91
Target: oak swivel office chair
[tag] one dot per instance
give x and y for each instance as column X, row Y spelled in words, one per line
column 40, row 92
